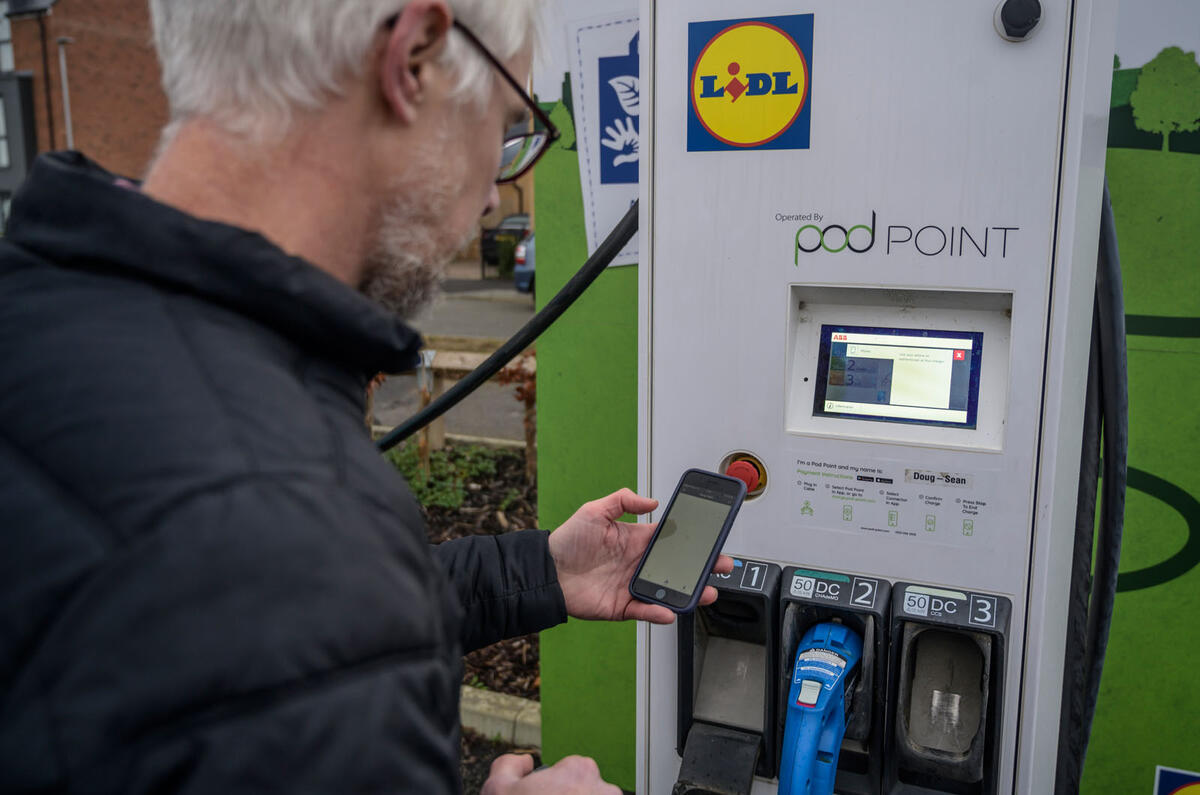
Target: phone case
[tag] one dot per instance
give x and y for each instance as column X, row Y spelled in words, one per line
column 713, row 555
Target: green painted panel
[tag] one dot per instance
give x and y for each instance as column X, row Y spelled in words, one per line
column 1149, row 708
column 587, row 447
column 1156, row 205
column 1148, row 713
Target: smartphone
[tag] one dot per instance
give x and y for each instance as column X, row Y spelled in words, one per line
column 675, row 566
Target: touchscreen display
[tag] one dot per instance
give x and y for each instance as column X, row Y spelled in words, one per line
column 916, row 376
column 686, row 537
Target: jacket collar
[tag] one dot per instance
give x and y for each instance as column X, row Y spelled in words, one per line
column 72, row 212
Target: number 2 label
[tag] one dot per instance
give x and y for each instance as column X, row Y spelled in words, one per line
column 864, row 593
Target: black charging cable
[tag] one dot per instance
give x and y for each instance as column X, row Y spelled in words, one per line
column 1105, row 430
column 621, row 234
column 1114, row 379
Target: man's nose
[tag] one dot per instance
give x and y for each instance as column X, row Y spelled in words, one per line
column 493, row 200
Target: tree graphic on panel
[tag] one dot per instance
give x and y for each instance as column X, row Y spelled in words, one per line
column 1167, row 97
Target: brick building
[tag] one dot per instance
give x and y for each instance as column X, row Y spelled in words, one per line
column 117, row 106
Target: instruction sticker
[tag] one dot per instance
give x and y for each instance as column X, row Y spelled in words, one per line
column 880, row 497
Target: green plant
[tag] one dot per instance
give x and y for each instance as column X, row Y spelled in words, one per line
column 506, row 246
column 510, row 496
column 474, row 461
column 450, row 470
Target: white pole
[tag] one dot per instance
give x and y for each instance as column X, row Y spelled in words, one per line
column 63, row 41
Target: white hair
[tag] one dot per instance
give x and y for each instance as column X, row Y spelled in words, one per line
column 249, row 65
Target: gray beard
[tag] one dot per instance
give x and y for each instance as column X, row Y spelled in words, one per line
column 406, row 268
column 404, row 284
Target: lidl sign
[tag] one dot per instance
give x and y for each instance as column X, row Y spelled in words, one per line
column 750, row 83
column 1170, row 781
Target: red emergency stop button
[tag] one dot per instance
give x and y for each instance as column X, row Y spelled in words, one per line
column 745, row 472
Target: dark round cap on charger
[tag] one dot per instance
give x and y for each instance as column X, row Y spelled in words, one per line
column 745, row 472
column 1020, row 17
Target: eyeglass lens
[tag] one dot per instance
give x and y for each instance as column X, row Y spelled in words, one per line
column 520, row 151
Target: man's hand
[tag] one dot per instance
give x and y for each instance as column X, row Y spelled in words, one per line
column 513, row 774
column 596, row 556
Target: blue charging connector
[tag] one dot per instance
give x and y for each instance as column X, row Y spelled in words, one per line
column 826, row 663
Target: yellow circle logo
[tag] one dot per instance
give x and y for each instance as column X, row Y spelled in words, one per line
column 749, row 84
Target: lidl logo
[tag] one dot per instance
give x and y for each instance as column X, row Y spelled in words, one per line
column 750, row 83
column 1171, row 781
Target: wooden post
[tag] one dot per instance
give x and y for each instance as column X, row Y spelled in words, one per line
column 425, row 387
column 437, row 428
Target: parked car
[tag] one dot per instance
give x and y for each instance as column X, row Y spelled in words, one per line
column 496, row 243
column 523, row 265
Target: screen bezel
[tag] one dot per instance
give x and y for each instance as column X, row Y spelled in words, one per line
column 678, row 601
column 822, row 375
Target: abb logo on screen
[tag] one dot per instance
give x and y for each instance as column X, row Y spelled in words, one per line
column 840, row 338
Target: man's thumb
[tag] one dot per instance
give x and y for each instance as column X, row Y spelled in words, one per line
column 506, row 771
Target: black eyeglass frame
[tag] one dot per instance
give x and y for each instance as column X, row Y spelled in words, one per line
column 552, row 132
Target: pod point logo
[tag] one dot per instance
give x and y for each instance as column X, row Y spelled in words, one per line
column 750, row 83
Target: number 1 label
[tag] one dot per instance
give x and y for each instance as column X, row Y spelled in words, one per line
column 753, row 576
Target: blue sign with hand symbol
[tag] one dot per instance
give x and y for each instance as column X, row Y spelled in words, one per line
column 619, row 113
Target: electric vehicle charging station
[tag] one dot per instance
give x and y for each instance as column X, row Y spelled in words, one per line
column 869, row 244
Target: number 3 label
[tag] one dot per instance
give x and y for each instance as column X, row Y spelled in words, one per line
column 983, row 610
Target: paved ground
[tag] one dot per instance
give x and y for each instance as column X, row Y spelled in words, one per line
column 471, row 308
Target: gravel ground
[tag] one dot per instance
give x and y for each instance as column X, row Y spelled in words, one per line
column 500, row 502
column 503, row 502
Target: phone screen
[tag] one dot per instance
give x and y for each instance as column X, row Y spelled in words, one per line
column 687, row 537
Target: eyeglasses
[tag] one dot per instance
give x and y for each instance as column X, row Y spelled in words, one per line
column 522, row 147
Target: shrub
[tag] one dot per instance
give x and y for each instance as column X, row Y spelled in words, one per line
column 450, row 470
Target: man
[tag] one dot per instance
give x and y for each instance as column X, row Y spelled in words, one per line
column 209, row 580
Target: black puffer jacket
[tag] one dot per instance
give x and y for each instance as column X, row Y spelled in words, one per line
column 210, row 581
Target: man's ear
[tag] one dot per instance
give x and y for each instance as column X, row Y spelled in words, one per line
column 413, row 44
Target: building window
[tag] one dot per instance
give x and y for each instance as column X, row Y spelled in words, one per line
column 6, row 48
